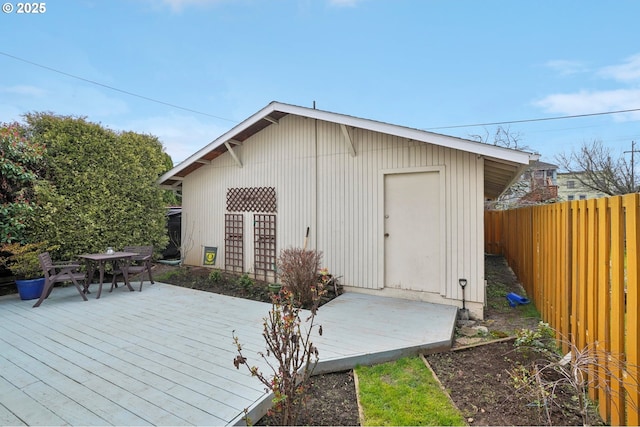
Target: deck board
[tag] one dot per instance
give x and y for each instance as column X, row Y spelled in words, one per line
column 164, row 356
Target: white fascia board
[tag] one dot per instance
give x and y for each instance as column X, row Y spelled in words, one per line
column 479, row 148
column 227, row 136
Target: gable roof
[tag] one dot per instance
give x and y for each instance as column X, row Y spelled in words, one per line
column 502, row 166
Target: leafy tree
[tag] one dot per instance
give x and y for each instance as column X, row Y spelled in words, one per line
column 20, row 163
column 595, row 167
column 170, row 197
column 99, row 188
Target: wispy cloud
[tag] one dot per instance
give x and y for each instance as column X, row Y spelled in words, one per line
column 588, row 101
column 566, row 67
column 180, row 5
column 63, row 99
column 344, row 3
column 585, row 102
column 628, row 71
column 24, row 90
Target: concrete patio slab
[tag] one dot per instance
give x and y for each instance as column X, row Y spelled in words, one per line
column 164, row 356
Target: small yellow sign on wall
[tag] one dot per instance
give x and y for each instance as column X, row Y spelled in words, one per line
column 210, row 255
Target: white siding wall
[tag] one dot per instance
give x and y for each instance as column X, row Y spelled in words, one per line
column 268, row 161
column 347, row 227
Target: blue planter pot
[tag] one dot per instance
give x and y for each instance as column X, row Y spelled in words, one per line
column 30, row 289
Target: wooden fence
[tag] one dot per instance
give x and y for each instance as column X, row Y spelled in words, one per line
column 578, row 262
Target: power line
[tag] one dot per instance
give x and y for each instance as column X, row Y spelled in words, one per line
column 146, row 98
column 235, row 121
column 538, row 119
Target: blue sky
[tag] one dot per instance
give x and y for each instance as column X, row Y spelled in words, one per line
column 424, row 64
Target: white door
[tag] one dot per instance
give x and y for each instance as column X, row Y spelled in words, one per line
column 413, row 228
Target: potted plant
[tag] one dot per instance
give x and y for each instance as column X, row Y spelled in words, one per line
column 23, row 262
column 275, row 287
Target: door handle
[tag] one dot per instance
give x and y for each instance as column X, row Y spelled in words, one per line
column 386, row 234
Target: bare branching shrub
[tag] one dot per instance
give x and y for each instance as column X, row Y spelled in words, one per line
column 298, row 272
column 291, row 356
column 576, row 371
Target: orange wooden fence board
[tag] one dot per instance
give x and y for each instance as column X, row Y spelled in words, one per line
column 579, row 263
column 617, row 307
column 603, row 301
column 630, row 203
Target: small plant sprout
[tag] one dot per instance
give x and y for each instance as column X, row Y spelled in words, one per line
column 246, row 282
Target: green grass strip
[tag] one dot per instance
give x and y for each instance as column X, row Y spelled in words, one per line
column 404, row 393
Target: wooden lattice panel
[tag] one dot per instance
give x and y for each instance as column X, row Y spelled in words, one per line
column 251, row 199
column 264, row 231
column 234, row 242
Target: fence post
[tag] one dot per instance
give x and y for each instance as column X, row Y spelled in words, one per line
column 603, row 308
column 591, row 314
column 632, row 236
column 616, row 337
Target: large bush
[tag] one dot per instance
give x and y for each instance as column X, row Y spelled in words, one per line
column 20, row 163
column 99, row 187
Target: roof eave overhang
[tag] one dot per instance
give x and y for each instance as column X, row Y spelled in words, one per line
column 178, row 172
column 517, row 160
column 499, row 175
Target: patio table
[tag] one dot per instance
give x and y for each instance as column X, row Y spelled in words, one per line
column 100, row 260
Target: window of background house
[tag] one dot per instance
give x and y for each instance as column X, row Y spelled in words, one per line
column 571, row 197
column 583, row 196
column 571, row 184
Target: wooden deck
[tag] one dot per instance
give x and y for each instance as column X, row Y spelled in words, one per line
column 164, row 356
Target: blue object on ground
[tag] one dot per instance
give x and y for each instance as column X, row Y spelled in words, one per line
column 515, row 299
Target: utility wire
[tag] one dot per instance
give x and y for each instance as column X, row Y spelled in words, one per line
column 538, row 119
column 235, row 121
column 116, row 89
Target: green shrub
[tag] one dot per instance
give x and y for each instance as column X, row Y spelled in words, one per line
column 20, row 166
column 216, row 276
column 23, row 260
column 542, row 339
column 98, row 187
column 246, row 282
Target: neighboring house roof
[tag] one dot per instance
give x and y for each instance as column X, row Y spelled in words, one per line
column 501, row 167
column 538, row 165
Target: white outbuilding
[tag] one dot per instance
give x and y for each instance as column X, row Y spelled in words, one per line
column 395, row 211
